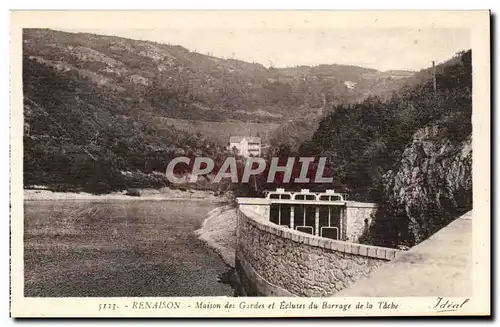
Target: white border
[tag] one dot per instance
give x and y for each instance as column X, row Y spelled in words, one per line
column 91, row 4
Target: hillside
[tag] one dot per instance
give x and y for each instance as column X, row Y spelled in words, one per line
column 96, row 106
column 172, row 81
column 217, row 131
column 382, row 86
column 78, row 135
column 410, row 153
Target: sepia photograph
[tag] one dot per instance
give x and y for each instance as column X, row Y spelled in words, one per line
column 265, row 160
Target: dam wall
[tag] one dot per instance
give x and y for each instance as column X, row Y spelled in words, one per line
column 273, row 260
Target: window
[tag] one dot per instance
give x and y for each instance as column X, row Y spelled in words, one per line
column 274, row 214
column 285, row 215
column 277, row 196
column 329, row 221
column 305, row 229
column 329, row 198
column 310, row 197
column 310, row 215
column 330, row 232
column 298, row 217
column 280, row 214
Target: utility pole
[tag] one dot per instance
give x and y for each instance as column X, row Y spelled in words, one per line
column 223, row 88
column 434, row 82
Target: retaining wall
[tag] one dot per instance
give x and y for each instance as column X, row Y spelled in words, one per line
column 272, row 260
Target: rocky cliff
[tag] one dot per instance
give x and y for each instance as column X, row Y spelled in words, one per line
column 431, row 186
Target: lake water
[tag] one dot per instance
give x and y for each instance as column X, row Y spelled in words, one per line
column 118, row 248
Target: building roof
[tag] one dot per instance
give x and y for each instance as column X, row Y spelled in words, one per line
column 238, row 139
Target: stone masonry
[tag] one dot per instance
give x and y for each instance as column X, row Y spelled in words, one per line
column 359, row 217
column 274, row 260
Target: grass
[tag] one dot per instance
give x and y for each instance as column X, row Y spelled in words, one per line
column 220, row 131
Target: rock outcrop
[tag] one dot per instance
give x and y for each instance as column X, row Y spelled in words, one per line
column 431, row 187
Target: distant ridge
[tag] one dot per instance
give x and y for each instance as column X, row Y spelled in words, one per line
column 174, row 82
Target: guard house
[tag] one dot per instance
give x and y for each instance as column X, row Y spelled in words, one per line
column 321, row 214
column 245, row 145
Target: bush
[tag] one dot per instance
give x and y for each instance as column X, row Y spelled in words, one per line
column 139, row 179
column 98, row 188
column 64, row 187
column 133, row 192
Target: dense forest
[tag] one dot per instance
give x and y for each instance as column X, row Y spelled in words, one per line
column 363, row 141
column 410, row 154
column 79, row 136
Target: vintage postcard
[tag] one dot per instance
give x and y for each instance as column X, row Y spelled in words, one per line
column 250, row 163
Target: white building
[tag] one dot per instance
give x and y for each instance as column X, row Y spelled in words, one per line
column 350, row 84
column 247, row 146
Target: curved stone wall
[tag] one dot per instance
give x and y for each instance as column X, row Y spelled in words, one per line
column 272, row 260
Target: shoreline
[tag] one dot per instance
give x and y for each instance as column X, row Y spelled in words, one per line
column 163, row 194
column 218, row 232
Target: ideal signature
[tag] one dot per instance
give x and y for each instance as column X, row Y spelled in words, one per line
column 445, row 305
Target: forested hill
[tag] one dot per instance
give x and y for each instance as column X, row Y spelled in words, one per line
column 172, row 81
column 366, row 139
column 96, row 106
column 411, row 154
column 80, row 136
column 400, row 86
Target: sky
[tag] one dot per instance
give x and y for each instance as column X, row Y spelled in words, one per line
column 384, row 49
